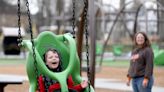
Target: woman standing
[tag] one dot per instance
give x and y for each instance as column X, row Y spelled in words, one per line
column 141, row 64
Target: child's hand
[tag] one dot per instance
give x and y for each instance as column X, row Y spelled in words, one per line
column 84, row 84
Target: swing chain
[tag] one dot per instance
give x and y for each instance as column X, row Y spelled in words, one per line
column 32, row 41
column 86, row 36
column 19, row 25
column 73, row 19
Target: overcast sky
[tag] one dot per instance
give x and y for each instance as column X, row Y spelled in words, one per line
column 115, row 3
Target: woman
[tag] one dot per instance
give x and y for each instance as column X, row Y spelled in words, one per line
column 141, row 64
column 53, row 62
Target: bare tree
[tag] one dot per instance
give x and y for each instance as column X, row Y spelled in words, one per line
column 161, row 24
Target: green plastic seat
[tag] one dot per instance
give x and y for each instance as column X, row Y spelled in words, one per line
column 66, row 46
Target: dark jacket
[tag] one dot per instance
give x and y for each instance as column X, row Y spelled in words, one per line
column 143, row 66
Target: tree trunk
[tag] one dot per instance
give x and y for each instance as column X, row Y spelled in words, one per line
column 161, row 24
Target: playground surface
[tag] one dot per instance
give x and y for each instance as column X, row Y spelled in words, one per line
column 108, row 74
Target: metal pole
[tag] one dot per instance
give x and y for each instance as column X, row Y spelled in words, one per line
column 92, row 35
column 80, row 38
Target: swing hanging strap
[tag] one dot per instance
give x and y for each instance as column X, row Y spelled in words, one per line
column 19, row 25
column 73, row 18
column 30, row 29
column 32, row 41
column 86, row 37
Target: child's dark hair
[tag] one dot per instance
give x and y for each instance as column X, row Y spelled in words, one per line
column 59, row 68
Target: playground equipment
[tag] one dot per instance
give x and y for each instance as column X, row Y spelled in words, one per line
column 159, row 57
column 99, row 48
column 10, row 36
column 155, row 48
column 117, row 49
column 66, row 46
column 158, row 54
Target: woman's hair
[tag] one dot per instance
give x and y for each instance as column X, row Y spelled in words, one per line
column 59, row 68
column 147, row 41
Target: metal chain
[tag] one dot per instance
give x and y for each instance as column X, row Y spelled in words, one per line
column 86, row 36
column 32, row 41
column 19, row 25
column 73, row 19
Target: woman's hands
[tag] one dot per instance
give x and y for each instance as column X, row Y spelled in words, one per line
column 128, row 81
column 145, row 82
column 134, row 57
column 84, row 84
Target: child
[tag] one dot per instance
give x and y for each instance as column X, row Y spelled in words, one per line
column 53, row 62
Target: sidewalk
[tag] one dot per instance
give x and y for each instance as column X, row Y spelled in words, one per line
column 117, row 85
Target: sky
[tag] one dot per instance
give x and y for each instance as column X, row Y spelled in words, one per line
column 115, row 3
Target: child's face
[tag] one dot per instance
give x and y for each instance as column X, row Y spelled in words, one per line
column 52, row 59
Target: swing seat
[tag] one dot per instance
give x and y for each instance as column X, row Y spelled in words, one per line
column 66, row 46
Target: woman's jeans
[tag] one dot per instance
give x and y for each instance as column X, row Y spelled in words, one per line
column 137, row 84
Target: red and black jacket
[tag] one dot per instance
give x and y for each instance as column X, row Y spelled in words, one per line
column 56, row 86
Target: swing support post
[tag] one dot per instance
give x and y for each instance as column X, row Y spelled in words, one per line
column 92, row 33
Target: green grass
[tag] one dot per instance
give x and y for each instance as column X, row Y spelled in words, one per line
column 105, row 63
column 113, row 63
column 23, row 62
column 116, row 63
column 12, row 61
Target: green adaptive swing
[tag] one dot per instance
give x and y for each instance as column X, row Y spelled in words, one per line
column 64, row 44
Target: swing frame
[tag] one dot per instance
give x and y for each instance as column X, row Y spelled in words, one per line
column 34, row 58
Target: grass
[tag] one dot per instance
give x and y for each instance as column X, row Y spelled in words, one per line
column 116, row 63
column 121, row 63
column 12, row 61
column 113, row 63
